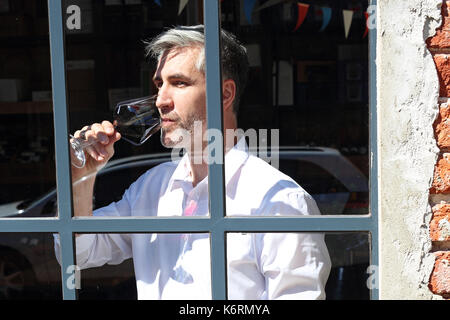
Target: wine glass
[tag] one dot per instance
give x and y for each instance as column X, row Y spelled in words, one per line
column 136, row 120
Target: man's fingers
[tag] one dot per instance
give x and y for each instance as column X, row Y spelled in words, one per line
column 115, row 137
column 93, row 133
column 109, row 127
column 102, row 138
column 78, row 133
column 90, row 150
column 101, row 151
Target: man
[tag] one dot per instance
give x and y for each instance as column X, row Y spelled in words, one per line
column 174, row 266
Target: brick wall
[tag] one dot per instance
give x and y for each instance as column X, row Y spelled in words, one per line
column 439, row 46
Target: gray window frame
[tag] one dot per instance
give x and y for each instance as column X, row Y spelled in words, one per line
column 217, row 225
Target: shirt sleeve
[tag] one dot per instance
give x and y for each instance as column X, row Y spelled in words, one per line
column 294, row 265
column 93, row 250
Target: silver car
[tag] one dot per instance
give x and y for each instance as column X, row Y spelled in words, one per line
column 28, row 268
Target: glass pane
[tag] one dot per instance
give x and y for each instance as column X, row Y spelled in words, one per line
column 351, row 271
column 336, row 185
column 26, row 122
column 107, row 64
column 108, row 282
column 28, row 267
column 144, row 266
column 298, row 266
column 307, row 94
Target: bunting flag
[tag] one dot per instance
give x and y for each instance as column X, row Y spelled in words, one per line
column 181, row 6
column 326, row 15
column 302, row 12
column 366, row 14
column 158, row 2
column 348, row 17
column 268, row 4
column 248, row 9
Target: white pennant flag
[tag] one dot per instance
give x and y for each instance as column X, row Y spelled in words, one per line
column 348, row 17
column 181, row 6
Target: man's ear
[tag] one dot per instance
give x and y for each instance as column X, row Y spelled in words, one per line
column 228, row 93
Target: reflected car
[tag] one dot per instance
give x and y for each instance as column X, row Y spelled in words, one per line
column 28, row 268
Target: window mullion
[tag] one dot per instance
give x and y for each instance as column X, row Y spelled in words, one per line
column 62, row 157
column 215, row 170
column 373, row 147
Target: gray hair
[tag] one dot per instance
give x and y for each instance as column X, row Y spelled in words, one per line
column 234, row 55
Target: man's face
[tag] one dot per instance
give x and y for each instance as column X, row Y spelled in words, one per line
column 181, row 96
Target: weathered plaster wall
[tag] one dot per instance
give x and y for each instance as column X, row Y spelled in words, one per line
column 408, row 92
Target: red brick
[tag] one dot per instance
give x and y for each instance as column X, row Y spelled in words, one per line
column 440, row 222
column 440, row 40
column 440, row 276
column 442, row 37
column 442, row 62
column 441, row 179
column 442, row 127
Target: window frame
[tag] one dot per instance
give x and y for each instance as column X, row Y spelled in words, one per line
column 217, row 225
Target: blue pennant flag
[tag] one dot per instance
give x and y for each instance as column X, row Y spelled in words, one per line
column 326, row 15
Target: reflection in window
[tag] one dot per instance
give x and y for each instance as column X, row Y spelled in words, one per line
column 26, row 119
column 350, row 257
column 28, row 267
column 252, row 259
column 144, row 266
column 337, row 186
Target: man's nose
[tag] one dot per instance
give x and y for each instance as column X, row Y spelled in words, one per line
column 164, row 99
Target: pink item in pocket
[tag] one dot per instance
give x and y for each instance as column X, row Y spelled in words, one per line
column 190, row 209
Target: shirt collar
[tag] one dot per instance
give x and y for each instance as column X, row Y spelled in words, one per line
column 234, row 159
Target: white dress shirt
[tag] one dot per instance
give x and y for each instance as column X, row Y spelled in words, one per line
column 177, row 266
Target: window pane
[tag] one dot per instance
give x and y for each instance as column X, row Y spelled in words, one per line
column 26, row 122
column 144, row 266
column 336, row 185
column 307, row 93
column 350, row 272
column 106, row 61
column 296, row 265
column 108, row 282
column 107, row 64
column 28, row 267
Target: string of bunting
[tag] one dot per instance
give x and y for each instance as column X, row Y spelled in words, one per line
column 303, row 9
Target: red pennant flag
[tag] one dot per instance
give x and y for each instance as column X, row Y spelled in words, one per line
column 302, row 11
column 367, row 29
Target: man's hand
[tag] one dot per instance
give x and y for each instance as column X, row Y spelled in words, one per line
column 102, row 136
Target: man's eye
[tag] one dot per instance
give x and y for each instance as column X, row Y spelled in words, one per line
column 180, row 83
